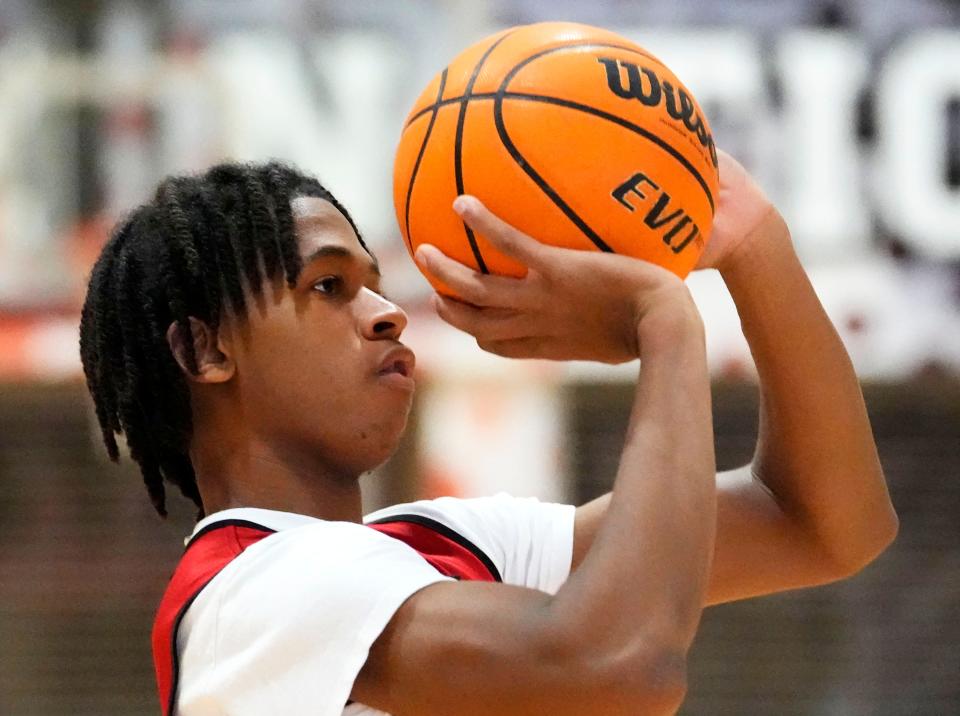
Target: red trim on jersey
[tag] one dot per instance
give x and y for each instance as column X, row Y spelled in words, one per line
column 214, row 547
column 447, row 555
column 207, row 554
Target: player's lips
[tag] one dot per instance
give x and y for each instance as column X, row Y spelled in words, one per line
column 397, row 366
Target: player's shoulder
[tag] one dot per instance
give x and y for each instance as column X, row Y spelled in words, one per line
column 456, row 509
column 323, row 543
column 323, row 561
column 494, row 518
column 515, row 534
column 294, row 553
column 259, row 620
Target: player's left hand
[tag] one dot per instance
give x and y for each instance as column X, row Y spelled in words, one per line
column 742, row 211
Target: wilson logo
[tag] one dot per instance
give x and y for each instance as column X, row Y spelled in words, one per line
column 643, row 85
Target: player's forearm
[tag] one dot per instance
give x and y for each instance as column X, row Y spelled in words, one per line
column 815, row 451
column 644, row 577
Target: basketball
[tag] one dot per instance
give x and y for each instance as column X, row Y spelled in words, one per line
column 571, row 133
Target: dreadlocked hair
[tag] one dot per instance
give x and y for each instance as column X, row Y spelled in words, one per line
column 203, row 245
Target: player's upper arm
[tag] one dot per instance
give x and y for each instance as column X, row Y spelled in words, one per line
column 759, row 549
column 479, row 648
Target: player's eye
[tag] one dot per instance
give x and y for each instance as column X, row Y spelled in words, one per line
column 329, row 285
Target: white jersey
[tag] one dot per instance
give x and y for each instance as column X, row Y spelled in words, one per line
column 287, row 625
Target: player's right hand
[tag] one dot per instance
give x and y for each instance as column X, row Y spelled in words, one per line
column 571, row 305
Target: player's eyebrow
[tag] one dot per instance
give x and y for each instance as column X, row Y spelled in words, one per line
column 339, row 252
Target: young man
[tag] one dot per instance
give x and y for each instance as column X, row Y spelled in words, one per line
column 235, row 333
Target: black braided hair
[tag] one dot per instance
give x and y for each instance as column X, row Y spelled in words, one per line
column 203, row 245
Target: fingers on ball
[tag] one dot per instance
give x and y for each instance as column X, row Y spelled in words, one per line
column 484, row 324
column 469, row 285
column 523, row 347
column 504, row 237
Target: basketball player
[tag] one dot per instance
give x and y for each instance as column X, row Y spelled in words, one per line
column 235, row 333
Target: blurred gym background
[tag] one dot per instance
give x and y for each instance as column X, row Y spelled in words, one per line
column 848, row 113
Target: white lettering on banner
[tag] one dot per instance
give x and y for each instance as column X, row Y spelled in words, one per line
column 364, row 72
column 822, row 75
column 333, row 109
column 267, row 109
column 918, row 79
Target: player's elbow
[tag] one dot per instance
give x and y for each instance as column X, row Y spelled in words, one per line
column 660, row 684
column 848, row 555
column 654, row 682
column 879, row 535
column 626, row 678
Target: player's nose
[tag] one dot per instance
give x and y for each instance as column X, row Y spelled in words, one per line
column 381, row 318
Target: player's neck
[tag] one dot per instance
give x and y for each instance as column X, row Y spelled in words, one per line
column 254, row 473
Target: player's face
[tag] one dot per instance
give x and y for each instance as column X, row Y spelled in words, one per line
column 321, row 372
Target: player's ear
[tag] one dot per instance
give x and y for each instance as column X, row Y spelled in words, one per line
column 214, row 365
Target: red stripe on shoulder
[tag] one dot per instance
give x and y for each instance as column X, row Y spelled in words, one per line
column 206, row 555
column 450, row 553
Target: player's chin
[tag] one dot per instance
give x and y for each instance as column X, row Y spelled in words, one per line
column 390, row 420
column 390, row 408
column 394, row 398
column 382, row 441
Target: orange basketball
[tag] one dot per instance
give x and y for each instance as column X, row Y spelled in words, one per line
column 573, row 134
